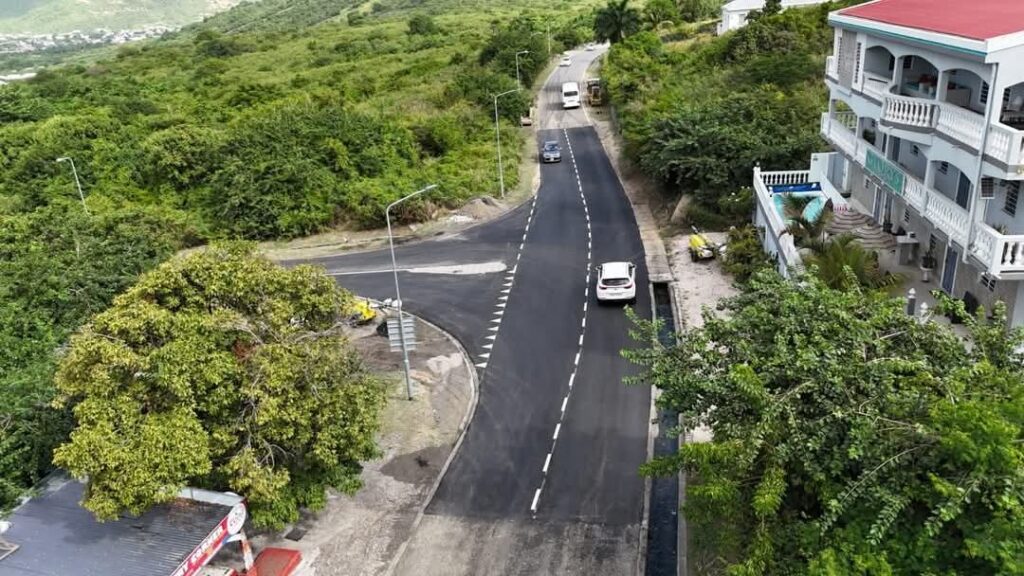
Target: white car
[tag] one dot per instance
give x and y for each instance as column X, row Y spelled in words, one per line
column 590, row 47
column 616, row 282
column 566, row 61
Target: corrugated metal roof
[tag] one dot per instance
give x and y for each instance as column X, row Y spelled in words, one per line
column 57, row 537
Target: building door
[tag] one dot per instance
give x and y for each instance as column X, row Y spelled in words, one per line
column 963, row 191
column 949, row 269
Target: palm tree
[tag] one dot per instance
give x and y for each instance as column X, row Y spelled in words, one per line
column 616, row 21
column 844, row 264
column 806, row 233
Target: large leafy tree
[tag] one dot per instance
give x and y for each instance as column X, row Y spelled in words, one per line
column 223, row 370
column 616, row 21
column 849, row 438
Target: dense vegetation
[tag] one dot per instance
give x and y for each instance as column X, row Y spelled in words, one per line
column 275, row 132
column 223, row 370
column 698, row 113
column 58, row 16
column 849, row 437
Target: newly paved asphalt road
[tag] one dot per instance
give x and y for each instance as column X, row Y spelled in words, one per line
column 551, row 456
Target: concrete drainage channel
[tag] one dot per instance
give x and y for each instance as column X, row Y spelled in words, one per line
column 663, row 511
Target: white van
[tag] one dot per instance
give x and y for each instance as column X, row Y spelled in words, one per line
column 570, row 95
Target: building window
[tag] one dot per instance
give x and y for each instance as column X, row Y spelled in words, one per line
column 1012, row 192
column 983, row 93
column 988, row 282
column 908, row 62
column 906, row 215
column 933, row 242
column 915, row 150
column 944, row 167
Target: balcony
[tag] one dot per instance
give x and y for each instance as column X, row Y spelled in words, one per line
column 1005, row 144
column 836, row 131
column 999, row 253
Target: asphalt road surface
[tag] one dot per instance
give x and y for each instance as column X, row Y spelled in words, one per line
column 546, row 480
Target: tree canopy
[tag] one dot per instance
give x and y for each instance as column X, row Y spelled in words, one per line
column 615, row 21
column 849, row 437
column 222, row 370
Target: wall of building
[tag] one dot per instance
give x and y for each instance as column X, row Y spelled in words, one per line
column 995, row 216
column 913, row 163
column 972, row 82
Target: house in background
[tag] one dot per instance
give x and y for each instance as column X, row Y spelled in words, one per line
column 734, row 14
column 926, row 115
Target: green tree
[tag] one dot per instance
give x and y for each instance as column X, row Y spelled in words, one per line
column 658, row 11
column 848, row 437
column 698, row 10
column 223, row 370
column 422, row 25
column 771, row 7
column 58, row 267
column 616, row 21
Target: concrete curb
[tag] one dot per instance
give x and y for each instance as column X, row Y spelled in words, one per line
column 467, row 419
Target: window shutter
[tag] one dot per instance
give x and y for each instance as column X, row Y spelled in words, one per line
column 988, row 189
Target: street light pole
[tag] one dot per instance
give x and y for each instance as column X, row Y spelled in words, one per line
column 497, row 136
column 519, row 83
column 398, row 294
column 78, row 183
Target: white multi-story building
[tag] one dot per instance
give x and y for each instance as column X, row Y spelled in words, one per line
column 734, row 14
column 926, row 114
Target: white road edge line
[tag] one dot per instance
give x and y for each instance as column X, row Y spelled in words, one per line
column 564, row 402
column 558, row 428
column 547, row 462
column 536, row 496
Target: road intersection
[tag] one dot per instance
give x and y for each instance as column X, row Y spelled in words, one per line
column 546, row 478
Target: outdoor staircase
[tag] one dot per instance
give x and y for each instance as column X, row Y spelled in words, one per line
column 861, row 227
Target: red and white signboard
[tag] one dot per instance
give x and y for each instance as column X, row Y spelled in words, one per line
column 214, row 541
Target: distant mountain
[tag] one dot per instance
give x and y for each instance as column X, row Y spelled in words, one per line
column 61, row 16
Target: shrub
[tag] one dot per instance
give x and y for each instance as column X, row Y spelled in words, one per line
column 745, row 254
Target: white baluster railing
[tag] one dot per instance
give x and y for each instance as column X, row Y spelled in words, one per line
column 876, row 88
column 961, row 123
column 915, row 193
column 1006, row 144
column 910, row 111
column 1001, row 253
column 948, row 216
column 789, row 257
column 786, row 177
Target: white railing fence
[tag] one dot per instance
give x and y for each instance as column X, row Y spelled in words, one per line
column 909, row 111
column 961, row 123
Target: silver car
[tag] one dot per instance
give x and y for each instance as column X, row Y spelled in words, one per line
column 550, row 151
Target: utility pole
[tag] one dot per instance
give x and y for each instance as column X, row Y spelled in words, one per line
column 497, row 137
column 78, row 183
column 398, row 293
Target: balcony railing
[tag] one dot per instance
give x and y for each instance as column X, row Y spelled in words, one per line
column 909, row 111
column 844, row 139
column 877, row 87
column 789, row 257
column 1000, row 253
column 1005, row 144
column 961, row 123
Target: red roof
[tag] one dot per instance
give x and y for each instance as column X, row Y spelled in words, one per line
column 975, row 19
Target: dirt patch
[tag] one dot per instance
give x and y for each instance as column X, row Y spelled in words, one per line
column 698, row 284
column 419, row 467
